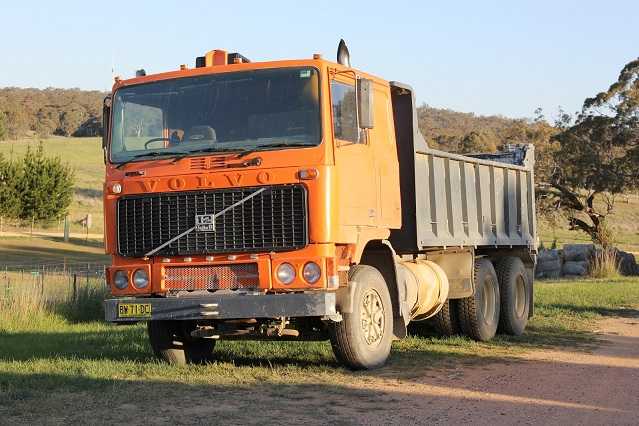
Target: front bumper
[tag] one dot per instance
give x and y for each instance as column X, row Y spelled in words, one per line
column 226, row 306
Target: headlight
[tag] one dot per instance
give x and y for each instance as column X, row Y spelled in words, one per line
column 120, row 280
column 140, row 278
column 286, row 273
column 116, row 188
column 311, row 272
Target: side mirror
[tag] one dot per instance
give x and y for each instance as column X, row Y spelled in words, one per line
column 106, row 120
column 365, row 103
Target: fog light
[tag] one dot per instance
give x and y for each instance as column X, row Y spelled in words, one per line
column 286, row 273
column 311, row 272
column 120, row 280
column 140, row 278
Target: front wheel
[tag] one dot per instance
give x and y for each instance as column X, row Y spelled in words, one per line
column 362, row 340
column 171, row 342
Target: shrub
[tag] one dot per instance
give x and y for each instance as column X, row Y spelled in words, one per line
column 9, row 200
column 45, row 186
column 604, row 264
column 3, row 126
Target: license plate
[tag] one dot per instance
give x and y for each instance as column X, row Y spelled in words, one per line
column 134, row 310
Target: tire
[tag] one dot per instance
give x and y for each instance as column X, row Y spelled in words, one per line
column 479, row 313
column 514, row 288
column 171, row 342
column 355, row 346
column 446, row 322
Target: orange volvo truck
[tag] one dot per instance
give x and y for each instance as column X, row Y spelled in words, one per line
column 297, row 200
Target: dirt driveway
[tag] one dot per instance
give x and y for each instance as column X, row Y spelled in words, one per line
column 541, row 387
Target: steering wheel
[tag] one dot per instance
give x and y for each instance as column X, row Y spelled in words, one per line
column 150, row 141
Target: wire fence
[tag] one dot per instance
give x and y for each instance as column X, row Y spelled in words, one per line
column 51, row 280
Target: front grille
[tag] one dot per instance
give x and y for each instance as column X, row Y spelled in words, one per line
column 218, row 277
column 274, row 220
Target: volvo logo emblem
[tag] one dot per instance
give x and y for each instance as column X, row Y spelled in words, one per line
column 205, row 222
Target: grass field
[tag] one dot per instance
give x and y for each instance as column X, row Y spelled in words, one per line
column 85, row 156
column 49, row 362
column 25, row 250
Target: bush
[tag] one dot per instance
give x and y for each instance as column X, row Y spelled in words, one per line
column 3, row 126
column 9, row 200
column 604, row 264
column 45, row 187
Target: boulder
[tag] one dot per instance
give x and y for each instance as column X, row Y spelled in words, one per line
column 549, row 264
column 575, row 268
column 578, row 252
column 627, row 263
column 549, row 273
column 544, row 255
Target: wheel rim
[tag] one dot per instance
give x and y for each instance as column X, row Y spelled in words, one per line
column 372, row 317
column 487, row 300
column 520, row 297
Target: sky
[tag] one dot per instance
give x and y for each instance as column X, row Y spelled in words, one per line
column 487, row 57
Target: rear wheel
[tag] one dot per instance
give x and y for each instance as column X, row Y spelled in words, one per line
column 479, row 313
column 515, row 295
column 362, row 340
column 446, row 322
column 171, row 341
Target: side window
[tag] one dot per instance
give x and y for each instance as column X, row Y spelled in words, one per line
column 141, row 123
column 344, row 112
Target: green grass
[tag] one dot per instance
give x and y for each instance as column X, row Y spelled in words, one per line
column 25, row 250
column 52, row 353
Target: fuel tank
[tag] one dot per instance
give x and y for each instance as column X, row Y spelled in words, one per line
column 426, row 286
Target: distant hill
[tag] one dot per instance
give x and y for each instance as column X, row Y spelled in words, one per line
column 75, row 112
column 466, row 132
column 45, row 112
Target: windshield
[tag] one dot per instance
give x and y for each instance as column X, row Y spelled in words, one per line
column 221, row 112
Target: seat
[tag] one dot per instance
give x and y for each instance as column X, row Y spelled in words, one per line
column 200, row 133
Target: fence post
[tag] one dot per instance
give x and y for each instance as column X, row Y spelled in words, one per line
column 66, row 228
column 42, row 281
column 6, row 283
column 75, row 286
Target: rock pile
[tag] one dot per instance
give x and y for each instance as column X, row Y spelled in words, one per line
column 574, row 261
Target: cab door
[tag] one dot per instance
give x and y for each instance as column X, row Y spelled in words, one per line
column 357, row 182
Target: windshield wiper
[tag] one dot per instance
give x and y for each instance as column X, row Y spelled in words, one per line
column 146, row 154
column 182, row 154
column 268, row 146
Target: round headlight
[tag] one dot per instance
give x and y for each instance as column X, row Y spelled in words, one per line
column 120, row 280
column 140, row 278
column 116, row 188
column 311, row 272
column 286, row 273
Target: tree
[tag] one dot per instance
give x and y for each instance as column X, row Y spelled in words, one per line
column 598, row 156
column 3, row 128
column 9, row 200
column 45, row 186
